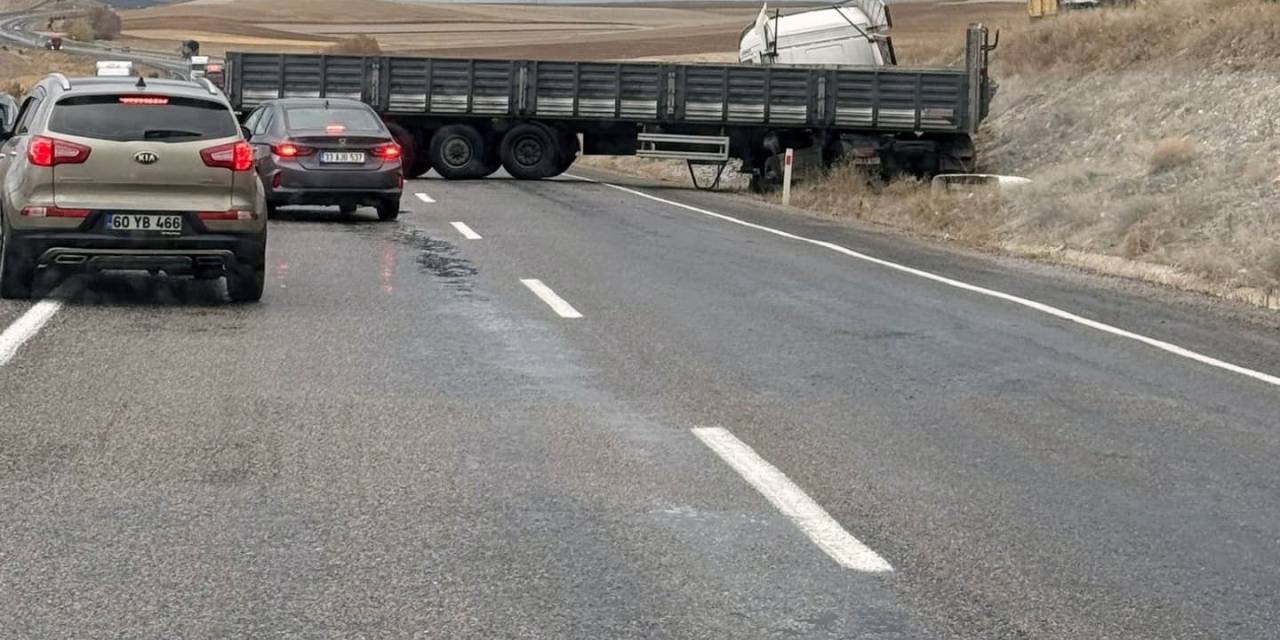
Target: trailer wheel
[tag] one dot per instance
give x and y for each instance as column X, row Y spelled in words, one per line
column 409, row 151
column 457, row 152
column 530, row 152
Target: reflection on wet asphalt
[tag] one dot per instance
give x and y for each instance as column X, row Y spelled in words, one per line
column 436, row 257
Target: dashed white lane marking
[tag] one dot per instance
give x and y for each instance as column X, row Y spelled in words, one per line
column 1007, row 297
column 424, row 197
column 466, row 231
column 557, row 304
column 26, row 327
column 793, row 502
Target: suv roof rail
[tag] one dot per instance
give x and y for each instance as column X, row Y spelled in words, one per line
column 62, row 80
column 213, row 90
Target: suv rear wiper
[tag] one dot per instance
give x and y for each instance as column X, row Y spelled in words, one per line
column 157, row 134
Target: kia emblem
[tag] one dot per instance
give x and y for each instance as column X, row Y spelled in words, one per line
column 146, row 157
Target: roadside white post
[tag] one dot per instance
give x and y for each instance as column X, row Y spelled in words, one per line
column 786, row 176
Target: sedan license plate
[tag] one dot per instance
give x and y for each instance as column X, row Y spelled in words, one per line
column 339, row 157
column 144, row 222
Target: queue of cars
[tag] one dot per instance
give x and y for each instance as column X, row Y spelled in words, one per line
column 115, row 173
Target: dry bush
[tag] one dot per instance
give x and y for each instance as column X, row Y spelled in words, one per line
column 15, row 89
column 80, row 29
column 1171, row 153
column 360, row 45
column 1231, row 34
column 106, row 23
column 847, row 191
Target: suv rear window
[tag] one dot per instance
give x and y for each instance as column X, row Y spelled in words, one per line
column 319, row 118
column 110, row 118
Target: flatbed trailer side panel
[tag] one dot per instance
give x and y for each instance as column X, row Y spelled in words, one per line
column 880, row 99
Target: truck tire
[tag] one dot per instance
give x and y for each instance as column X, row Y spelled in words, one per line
column 457, row 152
column 491, row 163
column 421, row 165
column 530, row 151
column 568, row 153
column 410, row 154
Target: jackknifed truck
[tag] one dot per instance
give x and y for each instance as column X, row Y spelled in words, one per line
column 466, row 118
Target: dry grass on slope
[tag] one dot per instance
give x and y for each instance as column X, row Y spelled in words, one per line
column 1152, row 138
column 1167, row 34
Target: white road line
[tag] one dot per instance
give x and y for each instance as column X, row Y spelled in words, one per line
column 1007, row 297
column 793, row 502
column 425, row 198
column 466, row 231
column 548, row 296
column 26, row 327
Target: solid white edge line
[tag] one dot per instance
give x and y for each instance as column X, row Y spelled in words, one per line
column 557, row 304
column 1008, row 297
column 424, row 197
column 466, row 231
column 793, row 502
column 26, row 327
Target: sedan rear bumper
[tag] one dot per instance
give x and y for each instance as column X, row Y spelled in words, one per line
column 300, row 186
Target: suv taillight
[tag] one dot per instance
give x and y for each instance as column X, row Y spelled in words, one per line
column 49, row 152
column 236, row 156
column 389, row 151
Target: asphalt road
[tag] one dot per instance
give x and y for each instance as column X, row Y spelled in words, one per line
column 404, row 440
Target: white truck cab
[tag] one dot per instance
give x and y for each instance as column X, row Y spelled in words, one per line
column 853, row 33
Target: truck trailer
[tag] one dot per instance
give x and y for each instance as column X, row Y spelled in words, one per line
column 465, row 118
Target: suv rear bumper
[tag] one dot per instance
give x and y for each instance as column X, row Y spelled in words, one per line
column 186, row 255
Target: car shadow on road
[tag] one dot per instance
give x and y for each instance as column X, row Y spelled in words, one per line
column 363, row 215
column 129, row 289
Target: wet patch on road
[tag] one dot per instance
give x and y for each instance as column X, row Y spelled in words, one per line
column 439, row 258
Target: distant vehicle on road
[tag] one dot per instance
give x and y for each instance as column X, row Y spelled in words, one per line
column 197, row 66
column 216, row 72
column 114, row 68
column 53, row 43
column 8, row 111
column 151, row 175
column 326, row 152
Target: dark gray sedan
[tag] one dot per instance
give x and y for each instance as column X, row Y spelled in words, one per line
column 316, row 151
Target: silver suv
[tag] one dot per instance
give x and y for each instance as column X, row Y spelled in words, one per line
column 131, row 174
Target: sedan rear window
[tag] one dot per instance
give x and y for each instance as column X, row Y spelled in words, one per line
column 132, row 117
column 321, row 119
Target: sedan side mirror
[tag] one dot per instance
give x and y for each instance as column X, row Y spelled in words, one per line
column 244, row 131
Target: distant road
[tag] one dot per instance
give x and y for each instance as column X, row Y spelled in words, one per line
column 15, row 27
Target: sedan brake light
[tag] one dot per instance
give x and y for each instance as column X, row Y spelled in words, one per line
column 291, row 150
column 389, row 151
column 236, row 156
column 50, row 152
